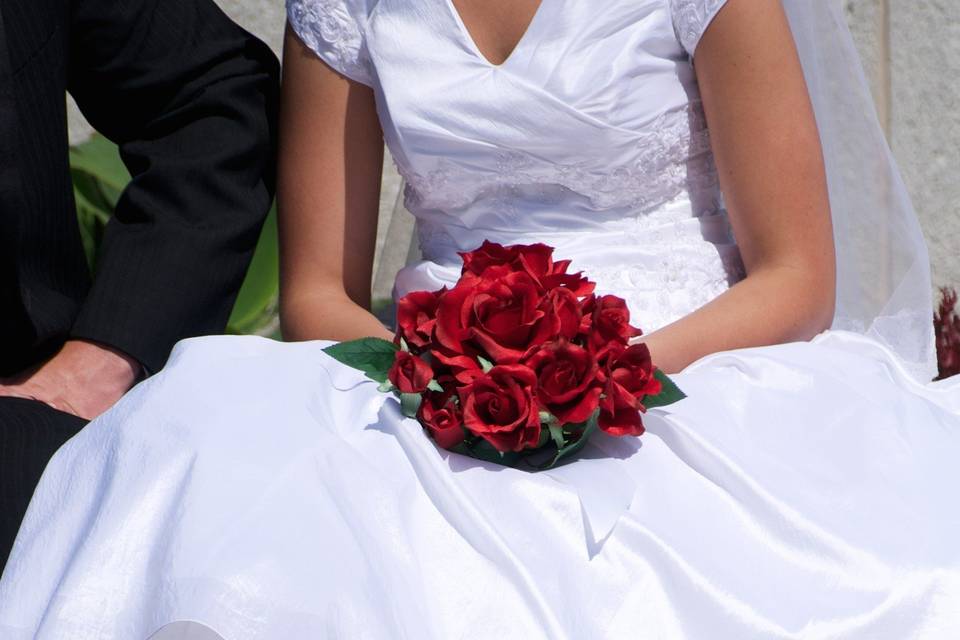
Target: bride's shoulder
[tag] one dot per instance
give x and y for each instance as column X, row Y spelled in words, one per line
column 336, row 31
column 691, row 19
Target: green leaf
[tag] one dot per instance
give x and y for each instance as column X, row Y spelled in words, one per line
column 544, row 438
column 100, row 158
column 89, row 193
column 99, row 177
column 485, row 364
column 91, row 227
column 257, row 302
column 668, row 395
column 570, row 449
column 483, row 450
column 549, row 420
column 461, row 448
column 433, row 385
column 373, row 356
column 93, row 165
column 556, row 434
column 410, row 404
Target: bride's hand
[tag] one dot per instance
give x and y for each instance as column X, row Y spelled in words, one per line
column 329, row 317
column 661, row 358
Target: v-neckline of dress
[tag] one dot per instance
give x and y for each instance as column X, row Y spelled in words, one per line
column 471, row 41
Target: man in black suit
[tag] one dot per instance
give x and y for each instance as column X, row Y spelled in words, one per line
column 191, row 100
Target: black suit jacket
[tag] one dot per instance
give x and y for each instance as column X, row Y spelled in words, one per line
column 191, row 100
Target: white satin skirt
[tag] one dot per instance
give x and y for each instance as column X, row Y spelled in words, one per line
column 800, row 491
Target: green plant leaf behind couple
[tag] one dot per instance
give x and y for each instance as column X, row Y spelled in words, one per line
column 99, row 177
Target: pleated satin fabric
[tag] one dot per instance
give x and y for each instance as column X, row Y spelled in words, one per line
column 262, row 489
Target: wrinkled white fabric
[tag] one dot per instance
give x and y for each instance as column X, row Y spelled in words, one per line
column 801, row 491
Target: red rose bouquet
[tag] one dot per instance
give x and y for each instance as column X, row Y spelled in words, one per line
column 518, row 363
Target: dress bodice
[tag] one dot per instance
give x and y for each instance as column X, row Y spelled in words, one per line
column 591, row 137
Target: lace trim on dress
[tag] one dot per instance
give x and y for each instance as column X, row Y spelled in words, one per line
column 328, row 28
column 691, row 18
column 676, row 288
column 673, row 155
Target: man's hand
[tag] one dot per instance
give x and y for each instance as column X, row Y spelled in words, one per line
column 84, row 378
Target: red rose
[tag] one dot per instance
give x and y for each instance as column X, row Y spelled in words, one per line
column 416, row 317
column 500, row 407
column 461, row 368
column 409, row 373
column 502, row 313
column 489, row 254
column 535, row 259
column 566, row 307
column 577, row 283
column 587, row 306
column 630, row 371
column 609, row 321
column 566, row 380
column 628, row 377
column 620, row 421
column 453, row 326
column 440, row 414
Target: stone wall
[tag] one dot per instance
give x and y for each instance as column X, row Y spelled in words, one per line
column 911, row 53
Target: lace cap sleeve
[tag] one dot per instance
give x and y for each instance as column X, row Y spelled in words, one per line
column 334, row 30
column 691, row 19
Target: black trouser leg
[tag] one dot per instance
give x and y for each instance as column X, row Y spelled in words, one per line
column 30, row 433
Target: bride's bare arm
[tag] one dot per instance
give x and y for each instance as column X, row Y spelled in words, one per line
column 330, row 164
column 771, row 170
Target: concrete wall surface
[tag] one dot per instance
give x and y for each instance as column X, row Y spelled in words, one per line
column 911, row 54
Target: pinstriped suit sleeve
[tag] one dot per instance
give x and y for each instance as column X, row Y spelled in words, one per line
column 191, row 100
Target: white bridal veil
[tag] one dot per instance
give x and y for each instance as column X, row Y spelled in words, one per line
column 883, row 279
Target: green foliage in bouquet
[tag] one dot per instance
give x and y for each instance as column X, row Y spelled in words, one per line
column 372, row 356
column 99, row 177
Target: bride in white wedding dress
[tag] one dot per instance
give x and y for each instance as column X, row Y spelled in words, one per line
column 806, row 489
